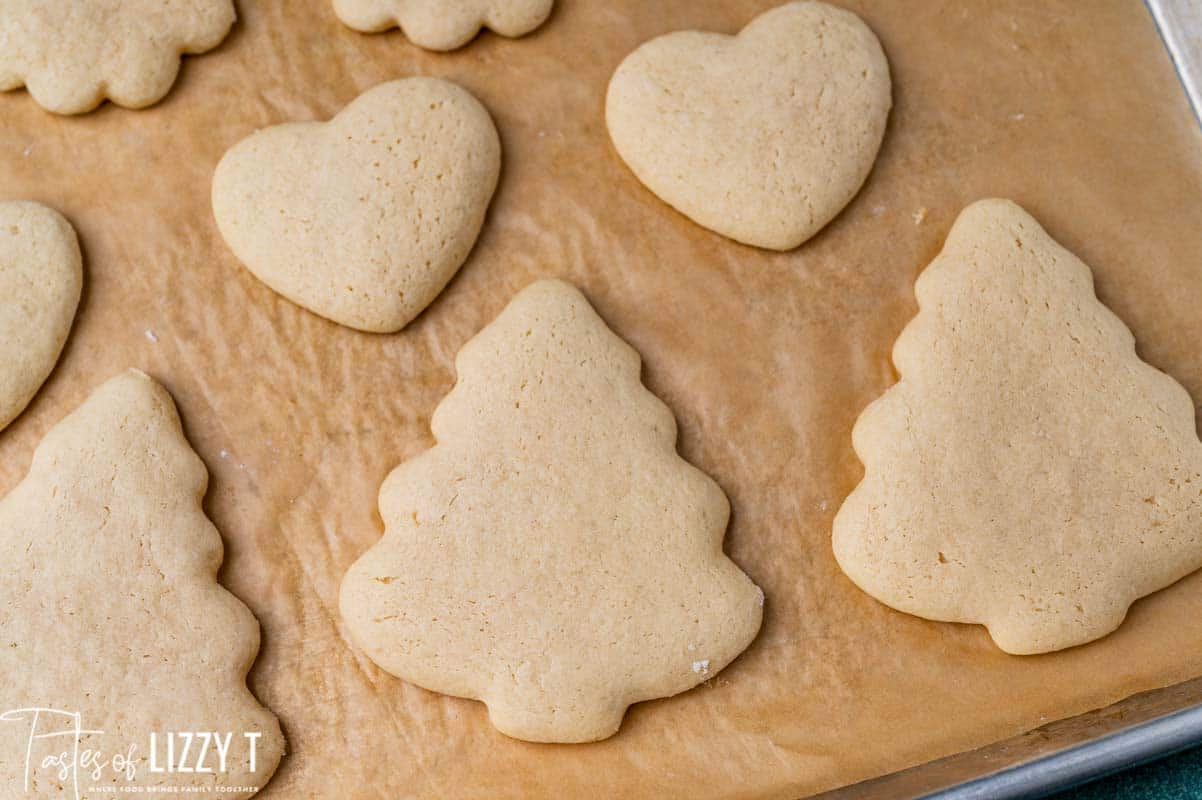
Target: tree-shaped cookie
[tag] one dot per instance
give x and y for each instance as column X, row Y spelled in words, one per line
column 110, row 610
column 552, row 555
column 1028, row 472
column 72, row 54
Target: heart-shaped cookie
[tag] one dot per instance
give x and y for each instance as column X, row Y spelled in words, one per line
column 41, row 274
column 762, row 137
column 365, row 218
column 444, row 24
column 72, row 54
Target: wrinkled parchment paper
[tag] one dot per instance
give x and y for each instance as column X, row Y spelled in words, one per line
column 1070, row 108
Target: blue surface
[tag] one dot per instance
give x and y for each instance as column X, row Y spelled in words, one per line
column 1178, row 777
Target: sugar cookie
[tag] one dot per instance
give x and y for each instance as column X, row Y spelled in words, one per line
column 110, row 608
column 762, row 137
column 444, row 24
column 41, row 274
column 552, row 555
column 363, row 219
column 72, row 54
column 1028, row 472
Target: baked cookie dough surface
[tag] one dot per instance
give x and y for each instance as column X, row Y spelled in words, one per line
column 1028, row 472
column 72, row 54
column 444, row 24
column 762, row 137
column 365, row 218
column 110, row 609
column 41, row 275
column 552, row 555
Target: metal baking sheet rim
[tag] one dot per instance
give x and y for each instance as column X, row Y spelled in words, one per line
column 1180, row 24
column 1081, row 763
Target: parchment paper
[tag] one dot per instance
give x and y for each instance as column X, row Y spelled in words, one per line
column 1070, row 108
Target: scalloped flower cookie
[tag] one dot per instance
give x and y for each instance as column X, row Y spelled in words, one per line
column 444, row 24
column 764, row 136
column 1028, row 472
column 110, row 609
column 551, row 555
column 365, row 218
column 72, row 54
column 41, row 276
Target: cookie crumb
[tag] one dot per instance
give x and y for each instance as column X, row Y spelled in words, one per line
column 920, row 215
column 151, row 335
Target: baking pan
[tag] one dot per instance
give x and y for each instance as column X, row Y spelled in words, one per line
column 1076, row 765
column 1180, row 24
column 765, row 358
column 1055, row 757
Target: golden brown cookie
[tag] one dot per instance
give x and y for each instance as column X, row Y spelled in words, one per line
column 763, row 137
column 72, row 54
column 444, row 24
column 1028, row 472
column 41, row 274
column 363, row 219
column 110, row 610
column 552, row 555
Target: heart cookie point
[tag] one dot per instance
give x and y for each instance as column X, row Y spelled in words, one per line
column 41, row 276
column 763, row 137
column 365, row 218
